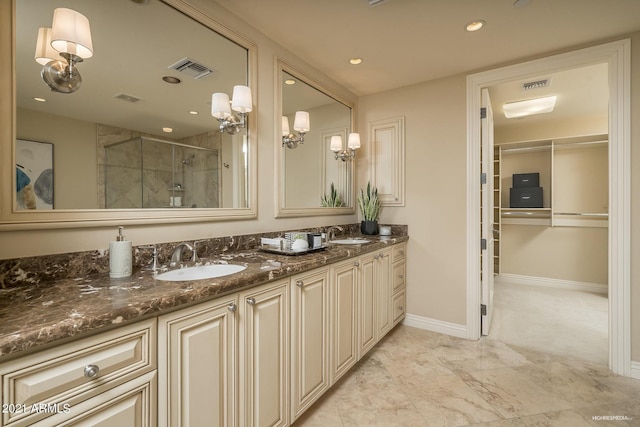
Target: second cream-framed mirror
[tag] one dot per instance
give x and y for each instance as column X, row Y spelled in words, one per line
column 307, row 174
column 172, row 205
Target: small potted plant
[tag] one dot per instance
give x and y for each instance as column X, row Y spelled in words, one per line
column 333, row 199
column 370, row 209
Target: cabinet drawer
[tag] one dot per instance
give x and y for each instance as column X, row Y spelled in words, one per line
column 67, row 374
column 399, row 306
column 130, row 404
column 399, row 272
column 399, row 252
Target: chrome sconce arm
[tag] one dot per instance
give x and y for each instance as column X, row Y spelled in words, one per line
column 232, row 124
column 221, row 109
column 300, row 126
column 349, row 153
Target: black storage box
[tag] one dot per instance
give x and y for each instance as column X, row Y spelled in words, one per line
column 526, row 197
column 526, row 180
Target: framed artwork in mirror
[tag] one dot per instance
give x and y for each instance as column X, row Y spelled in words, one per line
column 34, row 175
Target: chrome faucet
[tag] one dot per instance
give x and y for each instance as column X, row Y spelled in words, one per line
column 154, row 254
column 176, row 256
column 331, row 231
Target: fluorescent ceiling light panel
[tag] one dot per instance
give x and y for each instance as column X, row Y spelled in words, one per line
column 529, row 107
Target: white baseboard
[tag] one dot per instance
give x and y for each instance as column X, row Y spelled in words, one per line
column 434, row 325
column 635, row 370
column 554, row 283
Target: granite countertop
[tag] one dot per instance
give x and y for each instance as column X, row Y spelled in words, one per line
column 35, row 317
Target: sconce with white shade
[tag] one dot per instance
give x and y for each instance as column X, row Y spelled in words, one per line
column 300, row 126
column 349, row 153
column 60, row 48
column 241, row 103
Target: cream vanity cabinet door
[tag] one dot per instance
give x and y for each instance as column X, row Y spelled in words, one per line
column 198, row 365
column 72, row 381
column 264, row 355
column 343, row 297
column 309, row 338
column 367, row 285
column 384, row 314
column 398, row 282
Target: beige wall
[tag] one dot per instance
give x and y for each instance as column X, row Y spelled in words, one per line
column 70, row 148
column 436, row 180
column 435, row 192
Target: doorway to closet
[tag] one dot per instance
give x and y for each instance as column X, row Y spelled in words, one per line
column 550, row 254
column 617, row 57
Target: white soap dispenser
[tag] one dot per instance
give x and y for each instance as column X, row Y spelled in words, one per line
column 120, row 256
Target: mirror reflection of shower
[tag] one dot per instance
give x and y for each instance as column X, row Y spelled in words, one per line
column 145, row 172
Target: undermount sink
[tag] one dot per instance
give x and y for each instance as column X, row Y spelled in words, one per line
column 200, row 272
column 354, row 241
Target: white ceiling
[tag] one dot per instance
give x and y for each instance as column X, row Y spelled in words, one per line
column 401, row 42
column 404, row 42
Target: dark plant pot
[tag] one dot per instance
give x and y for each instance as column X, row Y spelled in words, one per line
column 369, row 227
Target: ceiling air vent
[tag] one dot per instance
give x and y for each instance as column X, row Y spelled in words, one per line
column 536, row 85
column 191, row 68
column 129, row 98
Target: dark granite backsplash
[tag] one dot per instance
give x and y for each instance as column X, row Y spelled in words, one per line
column 31, row 271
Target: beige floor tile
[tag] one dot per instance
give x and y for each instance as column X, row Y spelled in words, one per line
column 420, row 378
column 513, row 393
column 448, row 401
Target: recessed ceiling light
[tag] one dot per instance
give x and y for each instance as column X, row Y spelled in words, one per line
column 39, row 99
column 172, row 80
column 529, row 107
column 167, row 130
column 289, row 82
column 474, row 25
column 193, row 113
column 355, row 61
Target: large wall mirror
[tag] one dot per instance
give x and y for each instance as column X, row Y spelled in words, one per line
column 136, row 142
column 311, row 181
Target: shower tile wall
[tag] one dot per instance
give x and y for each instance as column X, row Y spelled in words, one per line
column 197, row 172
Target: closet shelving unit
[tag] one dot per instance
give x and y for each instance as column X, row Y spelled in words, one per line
column 497, row 223
column 575, row 181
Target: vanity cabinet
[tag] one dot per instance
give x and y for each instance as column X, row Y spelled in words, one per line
column 398, row 283
column 383, row 288
column 264, row 355
column 343, row 296
column 225, row 362
column 198, row 362
column 367, row 287
column 309, row 339
column 107, row 378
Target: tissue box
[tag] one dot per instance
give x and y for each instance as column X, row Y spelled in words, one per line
column 276, row 243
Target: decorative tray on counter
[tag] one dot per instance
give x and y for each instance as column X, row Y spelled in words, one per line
column 274, row 250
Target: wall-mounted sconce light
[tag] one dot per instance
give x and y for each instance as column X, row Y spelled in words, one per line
column 241, row 103
column 352, row 145
column 61, row 47
column 300, row 125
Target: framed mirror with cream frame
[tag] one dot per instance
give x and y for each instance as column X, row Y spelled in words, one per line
column 308, row 171
column 86, row 129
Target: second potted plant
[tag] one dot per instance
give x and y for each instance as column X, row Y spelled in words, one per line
column 369, row 205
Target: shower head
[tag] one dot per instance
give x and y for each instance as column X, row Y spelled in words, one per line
column 189, row 160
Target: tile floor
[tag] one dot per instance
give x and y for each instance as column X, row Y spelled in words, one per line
column 420, row 378
column 558, row 321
